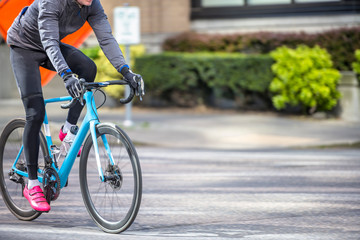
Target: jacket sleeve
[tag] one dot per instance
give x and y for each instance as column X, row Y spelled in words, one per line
column 48, row 23
column 100, row 24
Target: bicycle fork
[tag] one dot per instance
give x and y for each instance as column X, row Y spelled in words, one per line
column 96, row 148
column 111, row 161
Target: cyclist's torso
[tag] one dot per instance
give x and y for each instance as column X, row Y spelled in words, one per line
column 46, row 22
column 25, row 33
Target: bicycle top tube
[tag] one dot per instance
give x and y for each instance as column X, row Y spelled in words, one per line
column 58, row 99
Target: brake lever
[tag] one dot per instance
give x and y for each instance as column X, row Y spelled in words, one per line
column 81, row 98
column 141, row 89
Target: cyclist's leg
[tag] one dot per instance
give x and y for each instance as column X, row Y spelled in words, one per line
column 35, row 110
column 84, row 67
column 25, row 65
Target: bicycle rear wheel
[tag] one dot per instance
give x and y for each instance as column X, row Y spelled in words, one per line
column 12, row 184
column 113, row 204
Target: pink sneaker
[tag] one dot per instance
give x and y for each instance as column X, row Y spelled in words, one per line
column 36, row 198
column 62, row 136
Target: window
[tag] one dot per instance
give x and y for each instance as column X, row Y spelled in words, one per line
column 234, row 3
column 222, row 3
column 314, row 1
column 230, row 9
column 267, row 2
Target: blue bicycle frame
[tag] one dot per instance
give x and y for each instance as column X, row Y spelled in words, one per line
column 89, row 122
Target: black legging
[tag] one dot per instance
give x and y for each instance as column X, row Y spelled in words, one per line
column 25, row 64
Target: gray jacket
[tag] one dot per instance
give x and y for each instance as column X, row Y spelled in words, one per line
column 44, row 23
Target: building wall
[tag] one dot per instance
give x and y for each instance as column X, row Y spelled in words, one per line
column 308, row 24
column 159, row 19
column 157, row 16
column 291, row 16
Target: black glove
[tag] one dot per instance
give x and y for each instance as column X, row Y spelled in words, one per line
column 135, row 80
column 72, row 84
column 130, row 77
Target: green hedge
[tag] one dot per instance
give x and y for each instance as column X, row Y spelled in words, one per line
column 189, row 79
column 340, row 43
column 356, row 64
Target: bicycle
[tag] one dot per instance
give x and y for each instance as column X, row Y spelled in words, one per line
column 109, row 168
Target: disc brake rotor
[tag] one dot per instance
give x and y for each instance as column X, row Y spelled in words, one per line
column 114, row 176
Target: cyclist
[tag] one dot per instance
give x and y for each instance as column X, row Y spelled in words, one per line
column 34, row 40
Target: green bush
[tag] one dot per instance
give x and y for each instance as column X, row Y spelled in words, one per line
column 340, row 43
column 356, row 63
column 106, row 71
column 304, row 77
column 187, row 79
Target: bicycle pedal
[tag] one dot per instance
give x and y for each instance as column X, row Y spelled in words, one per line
column 16, row 179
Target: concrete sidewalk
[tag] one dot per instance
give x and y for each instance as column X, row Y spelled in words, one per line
column 238, row 130
column 213, row 129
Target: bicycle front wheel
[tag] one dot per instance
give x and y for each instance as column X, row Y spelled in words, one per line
column 113, row 203
column 11, row 183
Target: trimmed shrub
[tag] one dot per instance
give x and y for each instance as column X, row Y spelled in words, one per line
column 340, row 43
column 187, row 79
column 356, row 64
column 304, row 77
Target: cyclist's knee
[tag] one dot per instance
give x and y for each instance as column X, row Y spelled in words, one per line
column 34, row 108
column 79, row 63
column 87, row 69
column 92, row 70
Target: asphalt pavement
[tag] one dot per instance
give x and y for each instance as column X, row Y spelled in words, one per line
column 202, row 128
column 219, row 174
column 302, row 194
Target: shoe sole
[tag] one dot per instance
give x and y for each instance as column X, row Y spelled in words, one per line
column 41, row 211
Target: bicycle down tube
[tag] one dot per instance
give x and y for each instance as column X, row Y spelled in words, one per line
column 89, row 122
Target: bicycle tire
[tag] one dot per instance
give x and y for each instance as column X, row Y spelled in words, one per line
column 99, row 196
column 12, row 192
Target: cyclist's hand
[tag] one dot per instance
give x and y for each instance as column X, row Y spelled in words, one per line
column 72, row 84
column 132, row 78
column 135, row 81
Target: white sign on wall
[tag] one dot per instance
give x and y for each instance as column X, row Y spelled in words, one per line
column 127, row 25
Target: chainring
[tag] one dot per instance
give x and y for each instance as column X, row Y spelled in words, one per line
column 51, row 184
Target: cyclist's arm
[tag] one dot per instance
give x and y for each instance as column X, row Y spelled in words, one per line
column 100, row 24
column 48, row 22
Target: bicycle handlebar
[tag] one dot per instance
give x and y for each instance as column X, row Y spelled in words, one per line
column 91, row 85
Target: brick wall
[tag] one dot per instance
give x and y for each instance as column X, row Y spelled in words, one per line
column 157, row 16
